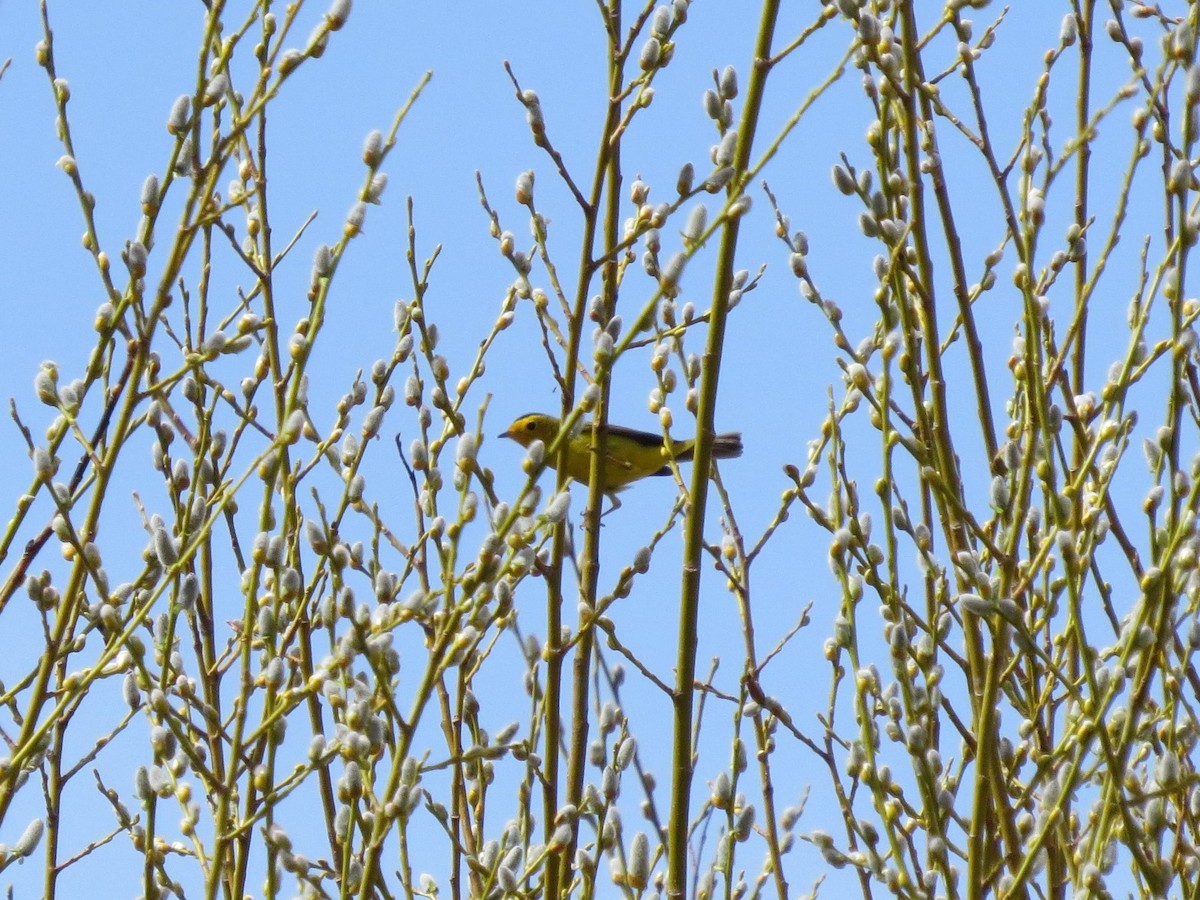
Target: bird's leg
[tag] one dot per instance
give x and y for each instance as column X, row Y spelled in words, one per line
column 616, row 504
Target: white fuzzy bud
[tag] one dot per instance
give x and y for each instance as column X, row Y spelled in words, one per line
column 177, row 121
column 339, row 12
column 372, row 153
column 696, row 222
column 558, row 507
column 673, row 271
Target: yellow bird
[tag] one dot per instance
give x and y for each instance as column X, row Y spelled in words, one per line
column 631, row 454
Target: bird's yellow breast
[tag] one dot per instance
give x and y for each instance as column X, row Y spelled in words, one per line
column 625, row 459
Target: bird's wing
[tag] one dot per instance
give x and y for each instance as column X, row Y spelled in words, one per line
column 643, row 438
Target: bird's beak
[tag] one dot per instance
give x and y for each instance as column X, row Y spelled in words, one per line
column 506, row 433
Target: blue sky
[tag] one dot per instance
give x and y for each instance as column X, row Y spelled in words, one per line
column 127, row 63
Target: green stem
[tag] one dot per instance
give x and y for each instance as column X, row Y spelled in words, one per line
column 693, row 529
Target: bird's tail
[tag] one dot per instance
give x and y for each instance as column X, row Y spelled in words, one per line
column 725, row 446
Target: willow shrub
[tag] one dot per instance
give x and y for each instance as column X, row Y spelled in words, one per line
column 275, row 687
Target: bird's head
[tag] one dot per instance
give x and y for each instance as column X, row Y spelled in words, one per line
column 532, row 427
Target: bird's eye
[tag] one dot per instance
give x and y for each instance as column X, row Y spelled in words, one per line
column 531, row 426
